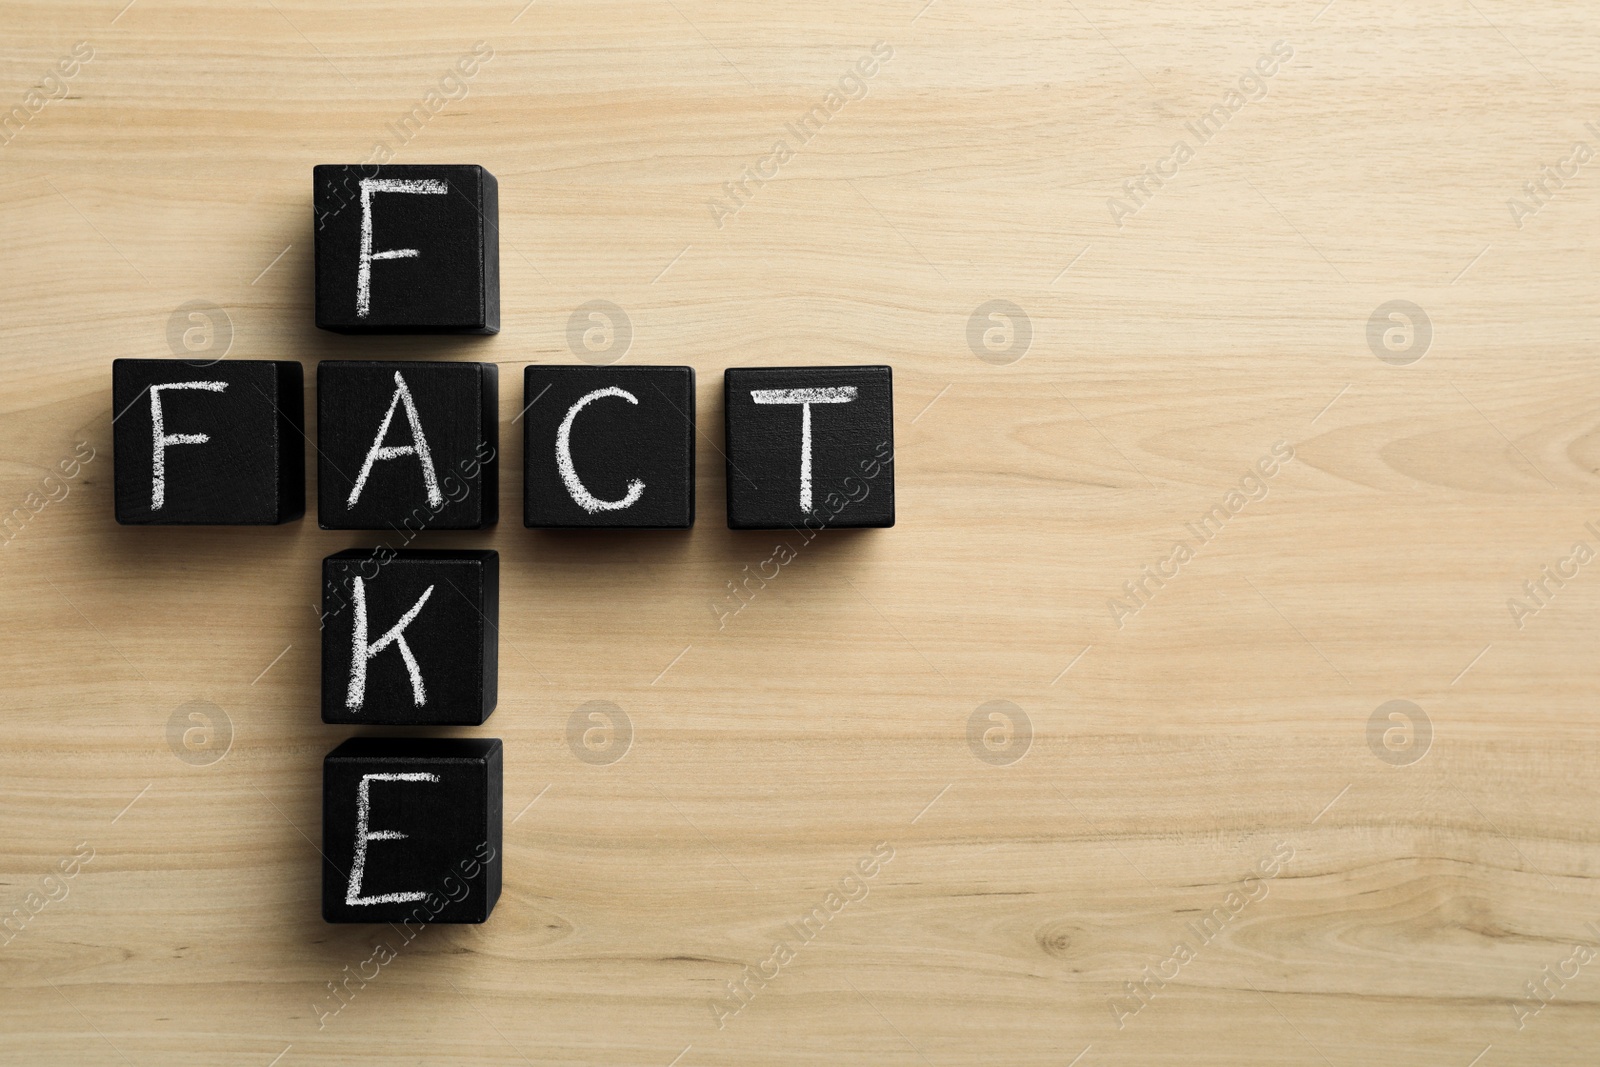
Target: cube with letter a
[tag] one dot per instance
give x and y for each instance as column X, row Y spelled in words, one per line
column 408, row 446
column 406, row 248
column 809, row 446
column 411, row 830
column 207, row 444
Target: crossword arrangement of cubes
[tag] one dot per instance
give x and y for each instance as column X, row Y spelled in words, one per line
column 412, row 826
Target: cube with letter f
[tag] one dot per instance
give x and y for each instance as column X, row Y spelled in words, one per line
column 407, row 249
column 216, row 443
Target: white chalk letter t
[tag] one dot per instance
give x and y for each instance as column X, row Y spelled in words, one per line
column 805, row 397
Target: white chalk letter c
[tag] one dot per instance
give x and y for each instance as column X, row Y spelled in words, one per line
column 569, row 474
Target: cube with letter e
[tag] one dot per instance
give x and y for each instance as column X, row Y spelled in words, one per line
column 411, row 830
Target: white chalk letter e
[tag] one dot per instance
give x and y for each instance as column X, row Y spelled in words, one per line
column 358, row 869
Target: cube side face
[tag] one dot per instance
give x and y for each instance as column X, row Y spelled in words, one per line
column 493, row 843
column 207, row 445
column 291, row 411
column 491, row 251
column 486, row 477
column 404, row 248
column 848, row 413
column 440, row 668
column 445, row 480
column 445, row 798
column 608, row 447
column 489, row 646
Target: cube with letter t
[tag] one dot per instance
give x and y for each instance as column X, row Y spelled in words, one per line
column 608, row 447
column 810, row 446
column 407, row 446
column 407, row 249
column 410, row 638
column 411, row 830
column 207, row 444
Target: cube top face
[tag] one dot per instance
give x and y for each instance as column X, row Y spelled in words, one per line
column 608, row 447
column 410, row 638
column 811, row 446
column 411, row 830
column 208, row 444
column 407, row 446
column 407, row 248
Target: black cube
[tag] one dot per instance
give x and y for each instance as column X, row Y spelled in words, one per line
column 407, row 248
column 411, row 830
column 207, row 444
column 608, row 447
column 410, row 638
column 407, row 446
column 810, row 446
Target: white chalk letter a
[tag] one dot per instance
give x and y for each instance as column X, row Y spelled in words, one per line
column 569, row 474
column 361, row 651
column 805, row 397
column 418, row 448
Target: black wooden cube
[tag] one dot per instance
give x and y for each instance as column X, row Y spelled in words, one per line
column 410, row 638
column 608, row 447
column 407, row 446
column 208, row 444
column 810, row 446
column 411, row 830
column 407, row 249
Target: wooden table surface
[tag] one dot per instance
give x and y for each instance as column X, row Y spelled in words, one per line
column 1131, row 789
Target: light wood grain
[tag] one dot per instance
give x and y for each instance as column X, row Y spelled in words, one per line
column 1229, row 717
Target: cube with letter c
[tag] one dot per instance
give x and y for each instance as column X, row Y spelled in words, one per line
column 608, row 447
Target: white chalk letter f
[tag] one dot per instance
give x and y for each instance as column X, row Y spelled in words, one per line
column 369, row 186
column 158, row 482
column 805, row 397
